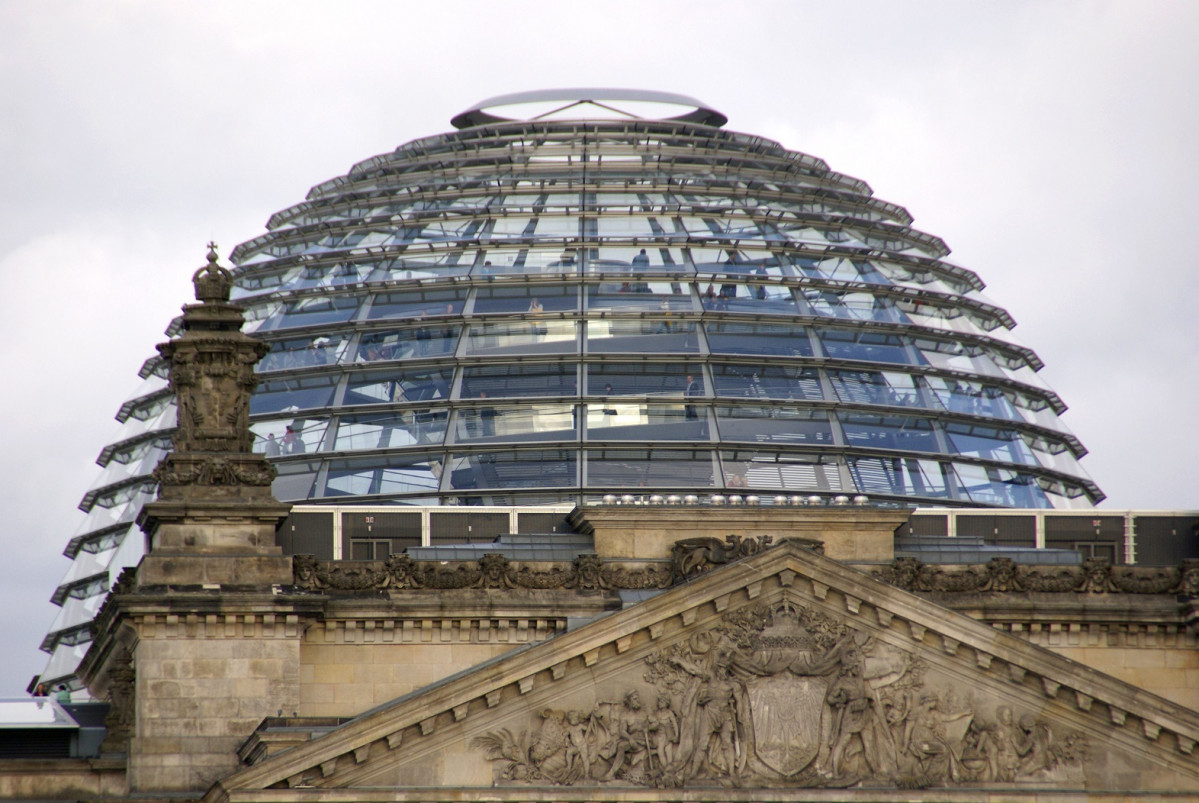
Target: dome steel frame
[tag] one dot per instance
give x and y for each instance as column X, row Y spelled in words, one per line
column 536, row 311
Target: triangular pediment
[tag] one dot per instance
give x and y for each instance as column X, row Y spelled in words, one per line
column 786, row 670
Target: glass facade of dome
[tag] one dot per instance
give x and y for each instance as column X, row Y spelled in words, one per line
column 556, row 309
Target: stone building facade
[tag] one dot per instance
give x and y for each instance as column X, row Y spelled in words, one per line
column 752, row 654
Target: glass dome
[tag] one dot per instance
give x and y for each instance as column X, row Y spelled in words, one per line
column 554, row 309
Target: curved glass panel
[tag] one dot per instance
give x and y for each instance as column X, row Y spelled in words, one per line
column 642, row 421
column 548, row 468
column 868, row 346
column 878, row 387
column 730, row 337
column 650, row 468
column 532, row 336
column 774, row 424
column 391, row 430
column 288, row 436
column 417, row 303
column 516, row 423
column 520, row 379
column 767, row 381
column 304, row 352
column 639, row 296
column 870, row 431
column 755, row 298
column 293, row 393
column 527, row 298
column 370, row 477
column 648, row 335
column 642, row 378
column 795, row 472
column 409, row 342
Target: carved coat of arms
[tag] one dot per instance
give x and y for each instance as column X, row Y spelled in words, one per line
column 783, row 696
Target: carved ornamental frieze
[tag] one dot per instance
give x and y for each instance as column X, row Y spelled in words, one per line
column 1002, row 575
column 400, row 572
column 784, row 695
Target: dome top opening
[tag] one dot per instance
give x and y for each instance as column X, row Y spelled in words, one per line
column 589, row 104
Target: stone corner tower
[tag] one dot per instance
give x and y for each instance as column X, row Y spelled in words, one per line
column 214, row 504
column 198, row 645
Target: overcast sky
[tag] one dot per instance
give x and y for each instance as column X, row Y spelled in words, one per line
column 1052, row 145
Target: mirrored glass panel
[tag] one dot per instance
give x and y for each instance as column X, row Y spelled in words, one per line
column 650, row 468
column 731, row 263
column 729, row 337
column 774, row 424
column 516, row 422
column 646, row 421
column 545, row 259
column 953, row 356
column 391, row 430
column 451, row 262
column 519, row 379
column 766, row 381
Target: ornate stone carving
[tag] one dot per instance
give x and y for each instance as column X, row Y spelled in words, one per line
column 212, row 377
column 119, row 719
column 785, row 696
column 585, row 573
column 695, row 556
column 1002, row 575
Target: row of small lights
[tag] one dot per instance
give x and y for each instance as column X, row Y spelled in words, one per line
column 735, row 499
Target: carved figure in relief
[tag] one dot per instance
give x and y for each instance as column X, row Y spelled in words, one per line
column 857, row 726
column 664, row 734
column 788, row 696
column 1037, row 739
column 627, row 744
column 580, row 754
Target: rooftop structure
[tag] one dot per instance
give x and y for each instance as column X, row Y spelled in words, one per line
column 583, row 294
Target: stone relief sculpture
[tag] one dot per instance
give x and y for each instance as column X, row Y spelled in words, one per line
column 786, row 696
